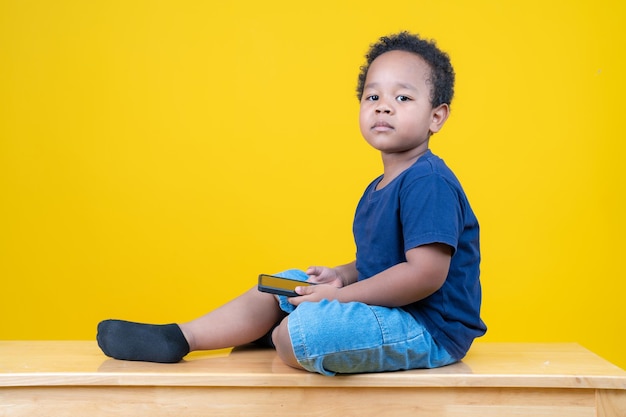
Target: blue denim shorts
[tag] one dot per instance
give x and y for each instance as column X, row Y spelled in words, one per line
column 330, row 337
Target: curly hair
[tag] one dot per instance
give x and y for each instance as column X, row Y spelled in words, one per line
column 442, row 73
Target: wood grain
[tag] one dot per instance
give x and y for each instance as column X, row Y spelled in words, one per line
column 73, row 378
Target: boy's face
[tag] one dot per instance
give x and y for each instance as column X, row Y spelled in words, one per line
column 396, row 115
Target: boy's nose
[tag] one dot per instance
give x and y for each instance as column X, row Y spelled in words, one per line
column 383, row 107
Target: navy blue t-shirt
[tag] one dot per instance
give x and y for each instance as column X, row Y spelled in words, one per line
column 426, row 204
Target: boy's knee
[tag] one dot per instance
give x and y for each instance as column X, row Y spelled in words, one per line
column 282, row 341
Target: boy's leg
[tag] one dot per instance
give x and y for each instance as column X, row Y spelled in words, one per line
column 282, row 342
column 240, row 321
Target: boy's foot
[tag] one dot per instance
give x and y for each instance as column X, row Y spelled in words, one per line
column 164, row 343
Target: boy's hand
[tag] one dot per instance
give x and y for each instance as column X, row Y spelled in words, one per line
column 325, row 275
column 314, row 293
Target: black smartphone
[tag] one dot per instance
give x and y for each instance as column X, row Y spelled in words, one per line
column 280, row 286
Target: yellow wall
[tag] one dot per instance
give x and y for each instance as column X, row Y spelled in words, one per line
column 155, row 156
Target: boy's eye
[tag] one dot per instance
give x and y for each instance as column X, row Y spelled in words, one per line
column 403, row 98
column 373, row 97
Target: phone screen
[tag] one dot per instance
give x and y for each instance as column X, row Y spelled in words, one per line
column 282, row 283
column 278, row 285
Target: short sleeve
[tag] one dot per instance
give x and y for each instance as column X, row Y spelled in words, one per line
column 430, row 212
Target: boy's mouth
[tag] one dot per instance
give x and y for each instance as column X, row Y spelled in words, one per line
column 382, row 126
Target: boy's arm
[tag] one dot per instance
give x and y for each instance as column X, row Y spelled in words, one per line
column 422, row 274
column 348, row 273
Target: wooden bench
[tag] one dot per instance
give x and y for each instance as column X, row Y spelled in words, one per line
column 73, row 378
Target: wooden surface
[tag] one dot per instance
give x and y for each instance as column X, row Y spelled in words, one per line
column 71, row 378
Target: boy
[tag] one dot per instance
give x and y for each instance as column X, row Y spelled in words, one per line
column 411, row 299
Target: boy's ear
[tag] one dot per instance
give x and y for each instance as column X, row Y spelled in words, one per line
column 439, row 116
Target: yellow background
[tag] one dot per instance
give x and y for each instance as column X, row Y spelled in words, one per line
column 155, row 156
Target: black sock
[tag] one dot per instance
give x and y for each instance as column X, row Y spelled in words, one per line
column 130, row 341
